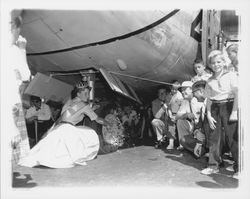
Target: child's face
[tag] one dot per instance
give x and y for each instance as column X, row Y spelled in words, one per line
column 84, row 94
column 217, row 64
column 162, row 94
column 199, row 94
column 199, row 68
column 187, row 93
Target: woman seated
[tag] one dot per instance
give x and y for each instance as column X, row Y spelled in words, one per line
column 66, row 144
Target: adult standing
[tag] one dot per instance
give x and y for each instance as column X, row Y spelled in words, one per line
column 19, row 80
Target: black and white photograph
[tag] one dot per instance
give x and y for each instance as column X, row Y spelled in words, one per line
column 124, row 100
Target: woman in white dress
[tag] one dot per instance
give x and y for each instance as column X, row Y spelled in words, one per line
column 66, row 144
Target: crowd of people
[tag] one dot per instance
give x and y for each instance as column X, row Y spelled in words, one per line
column 205, row 120
column 199, row 115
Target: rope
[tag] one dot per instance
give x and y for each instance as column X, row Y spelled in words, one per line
column 141, row 78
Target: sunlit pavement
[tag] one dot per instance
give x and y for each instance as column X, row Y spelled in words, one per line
column 137, row 166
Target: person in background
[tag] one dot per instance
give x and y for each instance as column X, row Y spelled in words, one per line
column 200, row 70
column 201, row 128
column 187, row 116
column 222, row 107
column 38, row 112
column 19, row 79
column 66, row 144
column 159, row 123
column 174, row 105
column 114, row 134
column 232, row 51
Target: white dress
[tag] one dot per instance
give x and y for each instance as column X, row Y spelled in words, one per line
column 65, row 145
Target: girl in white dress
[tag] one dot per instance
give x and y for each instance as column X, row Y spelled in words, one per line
column 66, row 145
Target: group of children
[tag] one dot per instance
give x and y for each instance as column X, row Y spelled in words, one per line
column 219, row 92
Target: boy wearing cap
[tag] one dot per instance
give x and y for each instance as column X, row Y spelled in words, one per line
column 199, row 93
column 187, row 116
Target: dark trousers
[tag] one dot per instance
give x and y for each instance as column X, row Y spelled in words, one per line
column 225, row 131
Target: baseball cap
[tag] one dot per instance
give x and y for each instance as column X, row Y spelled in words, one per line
column 198, row 84
column 187, row 84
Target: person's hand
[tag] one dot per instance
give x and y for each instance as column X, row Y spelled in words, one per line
column 95, row 107
column 172, row 118
column 164, row 107
column 197, row 150
column 33, row 118
column 199, row 135
column 234, row 116
column 212, row 122
column 21, row 42
column 190, row 116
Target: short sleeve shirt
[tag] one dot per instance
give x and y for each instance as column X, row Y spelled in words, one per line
column 186, row 107
column 43, row 113
column 175, row 102
column 223, row 87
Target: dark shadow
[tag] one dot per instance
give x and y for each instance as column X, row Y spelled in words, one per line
column 186, row 158
column 223, row 179
column 43, row 167
column 22, row 181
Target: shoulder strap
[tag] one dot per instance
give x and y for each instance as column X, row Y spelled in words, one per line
column 81, row 106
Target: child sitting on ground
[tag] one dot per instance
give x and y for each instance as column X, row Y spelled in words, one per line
column 113, row 135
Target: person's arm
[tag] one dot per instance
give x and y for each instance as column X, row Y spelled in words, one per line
column 24, row 71
column 234, row 86
column 181, row 113
column 102, row 121
column 160, row 112
column 93, row 116
column 234, row 113
column 208, row 94
column 211, row 120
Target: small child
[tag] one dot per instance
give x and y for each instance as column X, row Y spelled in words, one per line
column 200, row 70
column 222, row 99
column 173, row 107
column 115, row 134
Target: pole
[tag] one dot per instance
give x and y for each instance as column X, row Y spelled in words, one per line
column 91, row 82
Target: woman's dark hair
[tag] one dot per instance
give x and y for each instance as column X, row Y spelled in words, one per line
column 34, row 98
column 198, row 61
column 80, row 86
